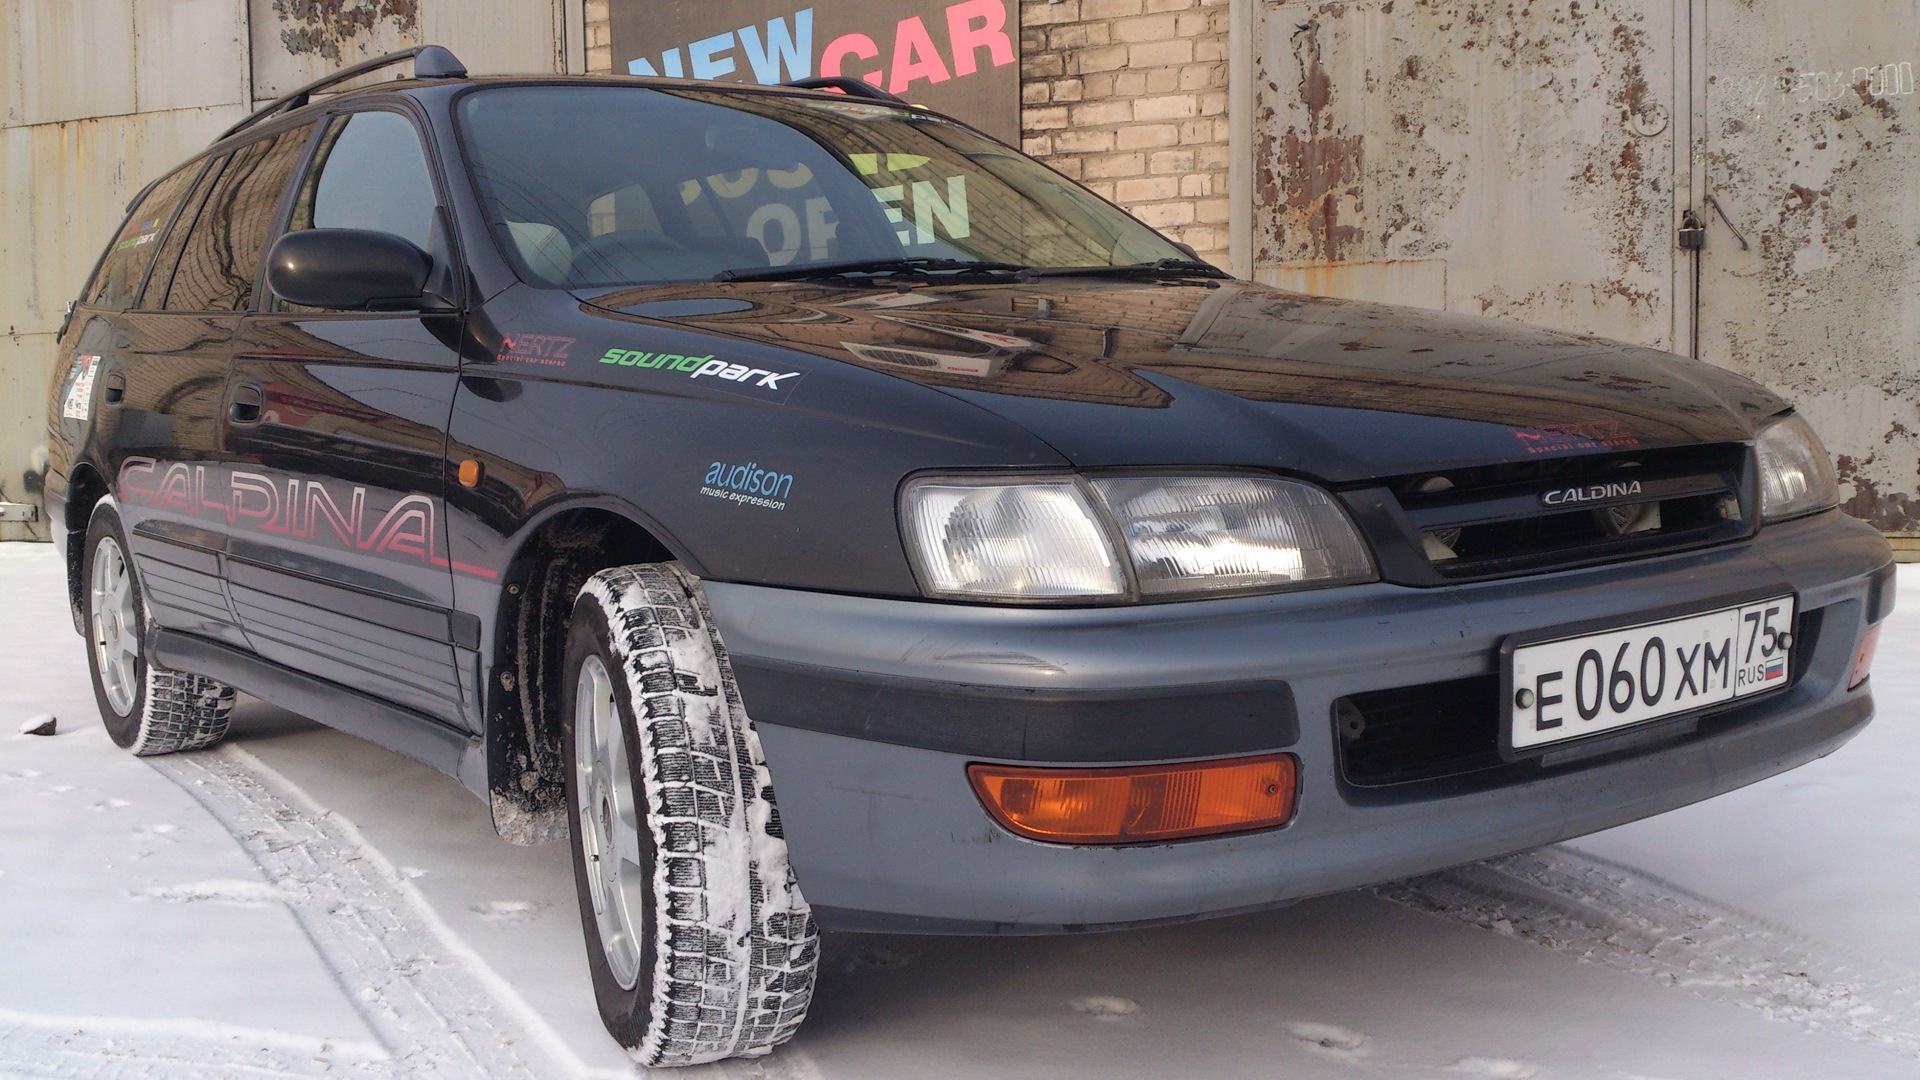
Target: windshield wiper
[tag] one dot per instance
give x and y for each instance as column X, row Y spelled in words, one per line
column 910, row 265
column 1157, row 268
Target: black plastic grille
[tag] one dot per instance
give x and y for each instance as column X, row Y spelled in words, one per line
column 1419, row 732
column 1534, row 516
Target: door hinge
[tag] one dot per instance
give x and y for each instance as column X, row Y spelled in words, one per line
column 19, row 512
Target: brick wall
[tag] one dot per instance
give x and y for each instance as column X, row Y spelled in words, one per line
column 1130, row 98
column 1127, row 96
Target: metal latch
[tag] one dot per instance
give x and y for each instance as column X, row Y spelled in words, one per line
column 1693, row 232
column 19, row 512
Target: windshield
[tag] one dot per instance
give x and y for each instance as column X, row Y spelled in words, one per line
column 588, row 186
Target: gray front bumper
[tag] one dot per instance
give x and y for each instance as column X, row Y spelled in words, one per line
column 889, row 836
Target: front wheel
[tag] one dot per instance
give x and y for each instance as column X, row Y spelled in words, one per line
column 700, row 944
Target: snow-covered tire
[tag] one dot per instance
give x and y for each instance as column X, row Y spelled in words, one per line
column 146, row 708
column 712, row 951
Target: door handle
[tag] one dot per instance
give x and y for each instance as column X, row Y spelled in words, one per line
column 116, row 388
column 245, row 408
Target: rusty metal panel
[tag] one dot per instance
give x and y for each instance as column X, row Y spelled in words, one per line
column 1809, row 147
column 75, row 59
column 25, row 363
column 1526, row 148
column 497, row 37
column 298, row 41
column 189, row 53
column 11, row 107
column 81, row 175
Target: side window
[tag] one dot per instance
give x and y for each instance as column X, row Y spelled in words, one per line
column 155, row 293
column 131, row 252
column 369, row 173
column 222, row 255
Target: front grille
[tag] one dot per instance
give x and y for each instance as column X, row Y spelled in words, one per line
column 1533, row 516
column 1419, row 732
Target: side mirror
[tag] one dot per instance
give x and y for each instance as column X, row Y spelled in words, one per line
column 350, row 269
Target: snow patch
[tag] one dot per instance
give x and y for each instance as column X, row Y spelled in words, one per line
column 507, row 911
column 1495, row 1068
column 1107, row 1010
column 225, row 890
column 24, row 774
column 1330, row 1039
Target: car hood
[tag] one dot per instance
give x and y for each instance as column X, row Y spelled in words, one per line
column 1132, row 373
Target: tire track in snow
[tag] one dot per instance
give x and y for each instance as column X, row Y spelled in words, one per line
column 1608, row 913
column 102, row 1048
column 434, row 1005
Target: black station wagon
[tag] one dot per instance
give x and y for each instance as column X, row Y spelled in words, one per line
column 544, row 430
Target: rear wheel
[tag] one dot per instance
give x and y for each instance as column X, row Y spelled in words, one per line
column 699, row 942
column 146, row 708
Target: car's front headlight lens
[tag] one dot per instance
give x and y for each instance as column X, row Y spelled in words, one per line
column 1054, row 538
column 1233, row 534
column 1000, row 539
column 1796, row 476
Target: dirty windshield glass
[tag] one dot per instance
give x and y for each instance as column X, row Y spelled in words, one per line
column 589, row 186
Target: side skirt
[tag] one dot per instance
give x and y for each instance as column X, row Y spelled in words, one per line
column 457, row 753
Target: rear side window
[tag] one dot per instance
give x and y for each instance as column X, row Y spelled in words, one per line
column 222, row 255
column 155, row 293
column 132, row 251
column 369, row 173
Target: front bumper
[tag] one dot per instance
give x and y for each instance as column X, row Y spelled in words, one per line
column 870, row 710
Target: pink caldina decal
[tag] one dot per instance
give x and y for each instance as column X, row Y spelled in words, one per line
column 303, row 509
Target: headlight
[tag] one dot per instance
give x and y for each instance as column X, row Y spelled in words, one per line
column 1233, row 534
column 1002, row 538
column 1796, row 476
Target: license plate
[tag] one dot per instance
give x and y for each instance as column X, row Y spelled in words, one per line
column 1576, row 687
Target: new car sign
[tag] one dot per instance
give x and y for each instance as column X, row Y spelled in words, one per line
column 958, row 56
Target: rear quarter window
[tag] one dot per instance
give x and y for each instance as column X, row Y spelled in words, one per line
column 117, row 282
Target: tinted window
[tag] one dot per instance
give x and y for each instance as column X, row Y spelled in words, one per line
column 369, row 173
column 223, row 252
column 155, row 293
column 605, row 185
column 132, row 250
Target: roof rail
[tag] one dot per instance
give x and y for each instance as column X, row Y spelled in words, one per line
column 429, row 62
column 846, row 85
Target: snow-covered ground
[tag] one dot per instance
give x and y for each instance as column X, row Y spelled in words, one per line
column 302, row 903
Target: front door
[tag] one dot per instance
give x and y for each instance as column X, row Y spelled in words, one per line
column 338, row 564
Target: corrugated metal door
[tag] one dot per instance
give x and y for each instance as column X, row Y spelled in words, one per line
column 1809, row 147
column 1493, row 157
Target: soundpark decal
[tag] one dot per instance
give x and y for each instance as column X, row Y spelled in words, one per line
column 961, row 57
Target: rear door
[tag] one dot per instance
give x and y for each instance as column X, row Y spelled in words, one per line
column 338, row 565
column 163, row 407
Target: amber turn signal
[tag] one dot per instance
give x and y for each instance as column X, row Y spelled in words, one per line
column 1863, row 660
column 471, row 473
column 1136, row 803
